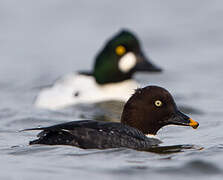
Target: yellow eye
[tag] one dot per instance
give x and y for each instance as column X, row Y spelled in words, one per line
column 120, row 50
column 158, row 103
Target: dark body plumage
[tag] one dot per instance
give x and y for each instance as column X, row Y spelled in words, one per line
column 90, row 134
column 148, row 110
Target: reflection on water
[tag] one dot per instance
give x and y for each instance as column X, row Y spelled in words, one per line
column 194, row 168
column 172, row 149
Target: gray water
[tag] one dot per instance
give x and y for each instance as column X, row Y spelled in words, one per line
column 45, row 39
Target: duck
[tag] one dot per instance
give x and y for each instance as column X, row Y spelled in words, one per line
column 144, row 114
column 111, row 78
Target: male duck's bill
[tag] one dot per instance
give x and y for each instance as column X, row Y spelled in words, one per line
column 145, row 65
column 148, row 110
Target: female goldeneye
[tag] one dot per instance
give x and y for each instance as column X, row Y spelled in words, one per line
column 110, row 79
column 148, row 110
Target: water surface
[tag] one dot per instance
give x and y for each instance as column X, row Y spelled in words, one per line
column 42, row 40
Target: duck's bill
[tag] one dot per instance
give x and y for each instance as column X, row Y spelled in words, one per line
column 181, row 119
column 145, row 65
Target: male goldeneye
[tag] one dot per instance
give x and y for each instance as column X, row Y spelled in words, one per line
column 148, row 110
column 110, row 79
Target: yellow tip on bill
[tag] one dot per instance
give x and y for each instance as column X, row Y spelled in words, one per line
column 193, row 123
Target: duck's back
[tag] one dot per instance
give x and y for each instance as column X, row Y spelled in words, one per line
column 77, row 88
column 94, row 135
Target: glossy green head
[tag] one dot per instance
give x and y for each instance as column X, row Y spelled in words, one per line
column 120, row 59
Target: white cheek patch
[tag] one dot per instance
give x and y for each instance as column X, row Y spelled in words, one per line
column 127, row 62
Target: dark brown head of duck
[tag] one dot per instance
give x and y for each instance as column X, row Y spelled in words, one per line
column 152, row 108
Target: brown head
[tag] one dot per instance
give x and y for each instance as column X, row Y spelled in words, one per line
column 151, row 108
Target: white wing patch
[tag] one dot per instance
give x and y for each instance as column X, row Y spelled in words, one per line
column 152, row 136
column 65, row 130
column 127, row 62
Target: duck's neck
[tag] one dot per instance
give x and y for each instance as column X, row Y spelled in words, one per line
column 108, row 78
column 115, row 77
column 138, row 123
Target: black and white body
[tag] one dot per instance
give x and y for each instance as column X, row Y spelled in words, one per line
column 111, row 78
